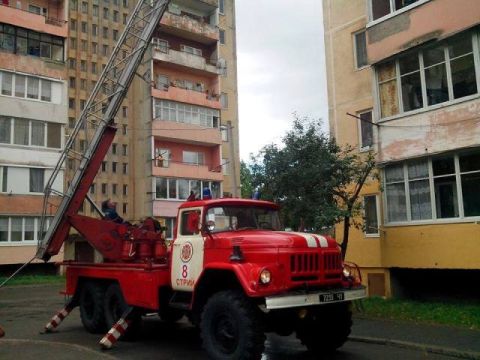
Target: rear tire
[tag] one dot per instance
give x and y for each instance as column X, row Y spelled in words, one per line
column 115, row 306
column 326, row 328
column 231, row 327
column 91, row 307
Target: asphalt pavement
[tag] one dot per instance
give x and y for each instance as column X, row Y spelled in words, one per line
column 24, row 310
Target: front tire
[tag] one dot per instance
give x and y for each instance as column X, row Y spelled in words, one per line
column 326, row 328
column 91, row 307
column 231, row 327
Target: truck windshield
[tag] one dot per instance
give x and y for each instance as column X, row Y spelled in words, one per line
column 232, row 218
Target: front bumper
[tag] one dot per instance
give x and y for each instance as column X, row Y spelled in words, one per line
column 314, row 298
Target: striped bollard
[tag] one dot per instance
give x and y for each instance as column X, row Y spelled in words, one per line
column 117, row 330
column 57, row 319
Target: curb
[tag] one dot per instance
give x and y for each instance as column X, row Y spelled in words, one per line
column 432, row 349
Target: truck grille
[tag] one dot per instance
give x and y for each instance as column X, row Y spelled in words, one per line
column 309, row 266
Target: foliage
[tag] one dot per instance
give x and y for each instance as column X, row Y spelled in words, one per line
column 316, row 181
column 464, row 314
column 246, row 180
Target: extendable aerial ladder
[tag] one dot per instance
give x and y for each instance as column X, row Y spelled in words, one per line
column 98, row 117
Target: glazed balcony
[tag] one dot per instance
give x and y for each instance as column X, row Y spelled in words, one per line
column 186, row 96
column 26, row 19
column 191, row 62
column 418, row 23
column 189, row 171
column 185, row 26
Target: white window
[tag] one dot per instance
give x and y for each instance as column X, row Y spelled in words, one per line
column 381, row 8
column 224, row 100
column 29, row 87
column 360, row 48
column 226, row 166
column 184, row 113
column 221, row 7
column 191, row 50
column 436, row 74
column 162, row 157
column 35, row 9
column 224, row 132
column 17, row 230
column 434, row 188
column 160, row 44
column 180, row 189
column 37, row 177
column 371, row 218
column 222, row 36
column 366, row 129
column 192, row 157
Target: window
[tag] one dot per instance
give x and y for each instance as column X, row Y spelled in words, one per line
column 94, row 30
column 105, row 13
column 162, row 82
column 33, row 87
column 71, row 82
column 38, row 133
column 124, row 150
column 26, row 86
column 125, row 3
column 224, row 132
column 381, row 8
column 104, row 50
column 179, row 189
column 125, row 168
column 421, row 79
column 371, row 221
column 224, row 100
column 221, row 7
column 115, row 16
column 366, row 129
column 72, row 63
column 125, row 190
column 7, row 83
column 3, row 178
column 160, row 44
column 191, row 50
column 95, row 10
column 191, row 157
column 162, row 157
column 360, row 46
column 84, row 7
column 18, row 229
column 115, row 35
column 5, row 129
column 222, row 36
column 442, row 187
column 104, row 189
column 94, row 68
column 105, row 32
column 104, row 166
column 226, row 166
column 37, row 180
column 124, row 111
column 170, row 226
column 114, row 189
column 184, row 113
column 114, row 167
column 124, row 129
column 20, row 131
column 125, row 17
column 92, row 188
column 84, row 27
column 124, row 208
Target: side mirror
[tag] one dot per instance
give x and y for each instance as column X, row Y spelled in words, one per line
column 209, row 226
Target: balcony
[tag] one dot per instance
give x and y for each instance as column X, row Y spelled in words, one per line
column 186, row 133
column 32, row 21
column 194, row 63
column 418, row 24
column 189, row 171
column 187, row 27
column 186, row 96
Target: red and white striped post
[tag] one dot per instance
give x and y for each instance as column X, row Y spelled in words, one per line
column 117, row 330
column 58, row 318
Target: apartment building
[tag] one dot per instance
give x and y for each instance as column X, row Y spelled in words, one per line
column 410, row 71
column 33, row 115
column 171, row 138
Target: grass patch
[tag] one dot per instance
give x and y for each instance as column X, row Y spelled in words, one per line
column 34, row 279
column 462, row 314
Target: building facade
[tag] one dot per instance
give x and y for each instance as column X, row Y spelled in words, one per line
column 33, row 115
column 177, row 130
column 411, row 74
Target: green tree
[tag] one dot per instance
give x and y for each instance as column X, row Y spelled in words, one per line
column 316, row 181
column 246, row 180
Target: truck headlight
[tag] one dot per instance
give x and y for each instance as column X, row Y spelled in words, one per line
column 265, row 276
column 347, row 272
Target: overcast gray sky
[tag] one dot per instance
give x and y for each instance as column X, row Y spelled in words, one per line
column 281, row 68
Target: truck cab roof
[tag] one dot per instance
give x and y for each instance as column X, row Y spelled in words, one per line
column 228, row 201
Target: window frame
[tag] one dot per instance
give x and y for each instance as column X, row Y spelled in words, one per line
column 355, row 52
column 359, row 127
column 392, row 13
column 203, row 184
column 475, row 39
column 461, row 218
column 23, row 242
column 377, row 209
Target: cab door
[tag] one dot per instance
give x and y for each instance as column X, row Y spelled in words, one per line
column 188, row 250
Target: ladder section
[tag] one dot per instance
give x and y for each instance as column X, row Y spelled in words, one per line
column 97, row 123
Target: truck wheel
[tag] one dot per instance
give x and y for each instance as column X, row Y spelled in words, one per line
column 231, row 327
column 91, row 307
column 326, row 328
column 115, row 306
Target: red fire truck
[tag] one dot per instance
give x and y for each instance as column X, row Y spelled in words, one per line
column 230, row 268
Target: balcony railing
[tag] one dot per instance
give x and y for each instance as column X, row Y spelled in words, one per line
column 187, row 170
column 48, row 19
column 195, row 25
column 201, row 98
column 186, row 59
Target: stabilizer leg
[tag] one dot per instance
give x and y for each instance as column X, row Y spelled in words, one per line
column 59, row 317
column 118, row 329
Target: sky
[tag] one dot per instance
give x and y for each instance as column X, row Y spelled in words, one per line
column 281, row 68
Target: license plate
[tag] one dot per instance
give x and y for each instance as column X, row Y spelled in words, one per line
column 339, row 296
